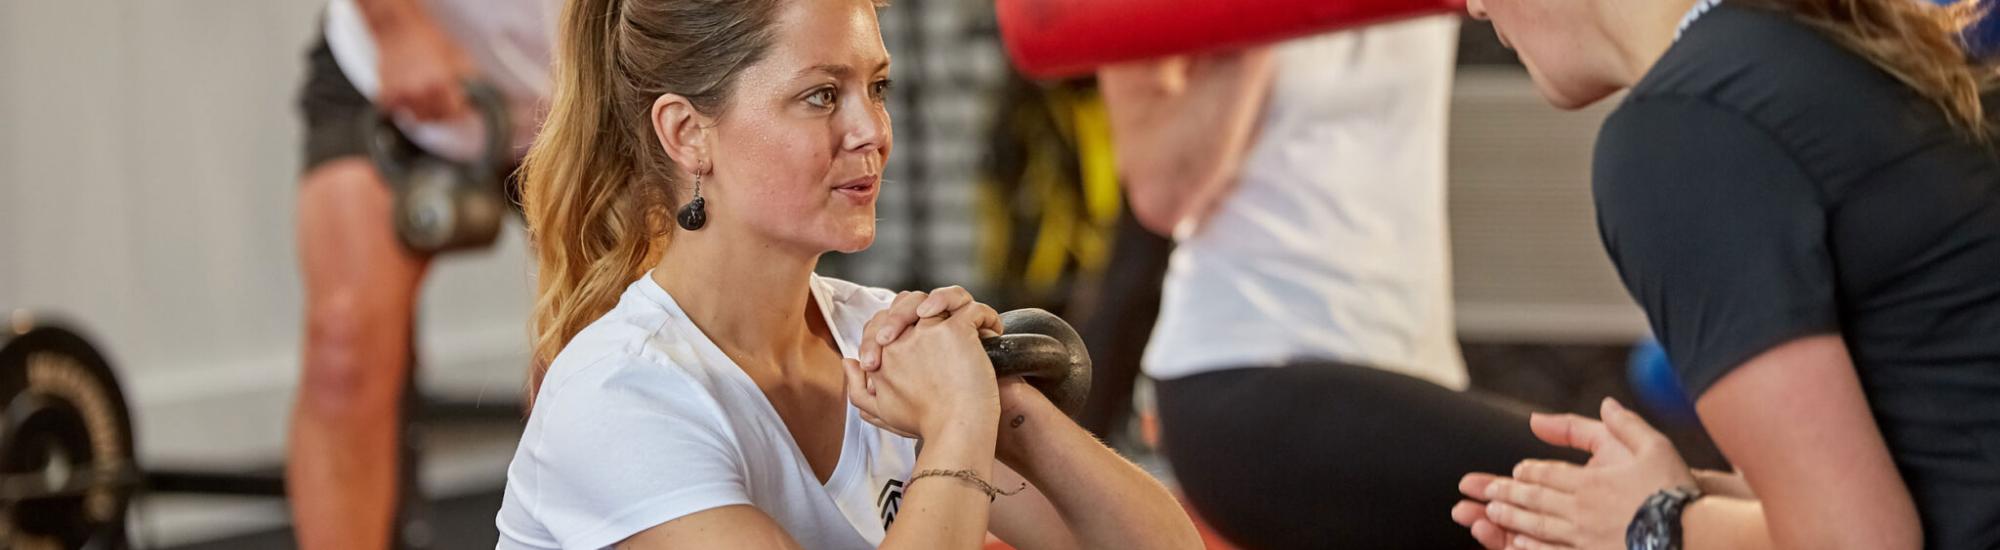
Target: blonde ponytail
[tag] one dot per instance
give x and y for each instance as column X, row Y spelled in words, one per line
column 1918, row 42
column 596, row 187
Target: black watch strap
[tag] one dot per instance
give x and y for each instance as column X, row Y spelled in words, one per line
column 1657, row 525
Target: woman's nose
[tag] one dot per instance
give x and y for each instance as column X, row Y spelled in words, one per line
column 867, row 129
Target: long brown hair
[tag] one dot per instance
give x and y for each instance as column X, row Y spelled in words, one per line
column 1918, row 42
column 596, row 185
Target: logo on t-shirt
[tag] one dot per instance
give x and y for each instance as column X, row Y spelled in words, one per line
column 888, row 501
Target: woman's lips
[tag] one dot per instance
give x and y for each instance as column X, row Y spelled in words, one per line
column 861, row 189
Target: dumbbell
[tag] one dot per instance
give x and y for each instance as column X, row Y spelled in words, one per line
column 1045, row 351
column 442, row 204
column 1062, row 38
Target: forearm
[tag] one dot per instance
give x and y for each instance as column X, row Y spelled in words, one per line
column 1106, row 501
column 391, row 16
column 945, row 512
column 1212, row 146
column 1179, row 146
column 1724, row 523
column 1730, row 523
column 1726, row 484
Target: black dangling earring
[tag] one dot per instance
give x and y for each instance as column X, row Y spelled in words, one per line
column 694, row 214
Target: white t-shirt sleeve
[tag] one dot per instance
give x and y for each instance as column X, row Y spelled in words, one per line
column 627, row 448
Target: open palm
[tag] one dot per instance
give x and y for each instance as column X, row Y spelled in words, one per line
column 1555, row 504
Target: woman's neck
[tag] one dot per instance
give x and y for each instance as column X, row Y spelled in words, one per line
column 1641, row 32
column 750, row 298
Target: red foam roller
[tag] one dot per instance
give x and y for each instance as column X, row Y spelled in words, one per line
column 1060, row 38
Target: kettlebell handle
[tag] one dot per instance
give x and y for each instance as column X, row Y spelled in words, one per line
column 1033, row 356
column 1047, row 353
column 492, row 108
column 385, row 141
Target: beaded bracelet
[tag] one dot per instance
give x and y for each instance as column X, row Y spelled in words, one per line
column 972, row 477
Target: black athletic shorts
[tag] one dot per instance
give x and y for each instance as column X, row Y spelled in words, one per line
column 333, row 110
column 336, row 116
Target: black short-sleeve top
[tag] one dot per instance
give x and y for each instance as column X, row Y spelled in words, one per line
column 1763, row 183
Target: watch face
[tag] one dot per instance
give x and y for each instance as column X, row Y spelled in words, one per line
column 1637, row 535
column 1655, row 540
column 1650, row 528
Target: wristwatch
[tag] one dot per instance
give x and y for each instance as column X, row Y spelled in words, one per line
column 1657, row 526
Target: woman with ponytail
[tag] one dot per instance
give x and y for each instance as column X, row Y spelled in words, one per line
column 1804, row 196
column 701, row 387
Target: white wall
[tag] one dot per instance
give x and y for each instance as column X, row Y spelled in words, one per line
column 1525, row 253
column 149, row 153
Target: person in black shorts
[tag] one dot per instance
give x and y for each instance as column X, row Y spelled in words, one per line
column 1804, row 196
column 410, row 59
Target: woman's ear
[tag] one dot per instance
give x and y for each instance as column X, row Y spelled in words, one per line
column 683, row 132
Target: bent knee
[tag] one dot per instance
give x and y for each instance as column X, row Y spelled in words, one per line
column 356, row 356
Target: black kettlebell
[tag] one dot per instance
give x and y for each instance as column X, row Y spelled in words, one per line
column 440, row 204
column 1043, row 349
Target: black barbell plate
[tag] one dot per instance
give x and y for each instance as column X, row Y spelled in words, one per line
column 67, row 422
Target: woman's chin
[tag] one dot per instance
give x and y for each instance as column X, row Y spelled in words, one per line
column 858, row 247
column 1568, row 96
column 855, row 239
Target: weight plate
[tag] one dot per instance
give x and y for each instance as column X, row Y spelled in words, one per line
column 66, row 456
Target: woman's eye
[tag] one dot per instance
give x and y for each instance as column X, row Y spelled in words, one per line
column 882, row 88
column 822, row 98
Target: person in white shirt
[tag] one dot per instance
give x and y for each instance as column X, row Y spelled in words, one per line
column 703, row 388
column 407, row 58
column 1309, row 377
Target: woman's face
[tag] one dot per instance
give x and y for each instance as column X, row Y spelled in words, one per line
column 1561, row 43
column 799, row 152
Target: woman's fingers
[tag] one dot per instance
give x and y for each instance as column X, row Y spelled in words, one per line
column 1628, row 428
column 1531, row 497
column 1569, row 430
column 956, row 302
column 1474, row 484
column 863, row 397
column 1554, row 474
column 1467, row 512
column 901, row 314
column 1472, row 515
column 943, row 300
column 1540, row 527
column 908, row 308
column 984, row 319
column 886, row 326
column 858, row 391
column 1489, row 535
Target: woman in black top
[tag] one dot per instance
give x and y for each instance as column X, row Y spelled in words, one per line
column 1804, row 196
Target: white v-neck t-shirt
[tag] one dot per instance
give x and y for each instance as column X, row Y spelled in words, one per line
column 642, row 419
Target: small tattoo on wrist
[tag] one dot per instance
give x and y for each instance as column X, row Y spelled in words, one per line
column 1018, row 420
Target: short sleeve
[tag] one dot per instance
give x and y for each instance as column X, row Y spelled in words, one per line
column 1717, row 232
column 629, row 448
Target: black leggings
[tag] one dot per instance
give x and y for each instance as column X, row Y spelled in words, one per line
column 1329, row 455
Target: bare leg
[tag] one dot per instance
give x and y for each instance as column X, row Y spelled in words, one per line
column 361, row 290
